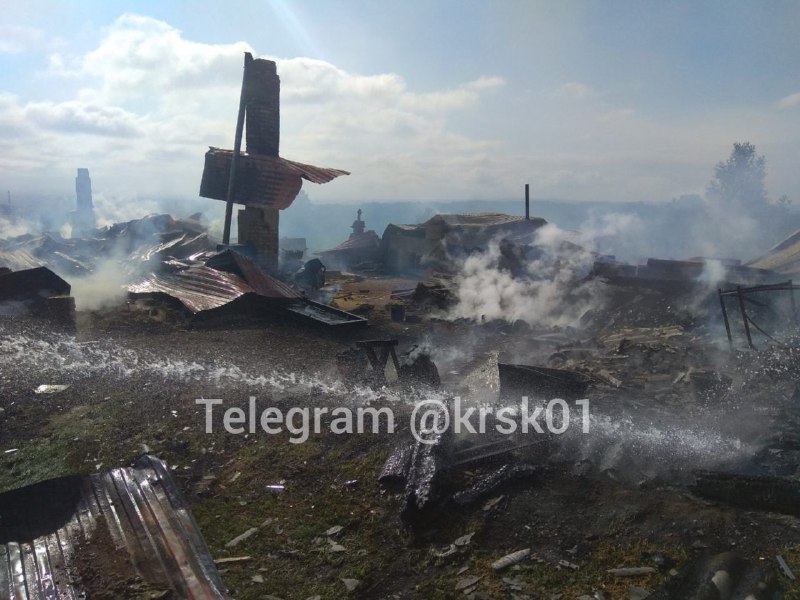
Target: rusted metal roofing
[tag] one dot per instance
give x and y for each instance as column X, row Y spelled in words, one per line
column 197, row 288
column 260, row 179
column 261, row 283
column 229, row 276
column 224, row 278
column 105, row 533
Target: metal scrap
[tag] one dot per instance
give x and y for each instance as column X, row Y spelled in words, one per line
column 55, row 532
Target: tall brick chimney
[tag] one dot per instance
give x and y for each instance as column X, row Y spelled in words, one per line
column 258, row 224
column 259, row 178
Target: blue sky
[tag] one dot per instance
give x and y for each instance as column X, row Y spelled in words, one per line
column 420, row 100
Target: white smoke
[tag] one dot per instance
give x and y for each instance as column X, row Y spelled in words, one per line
column 623, row 235
column 105, row 286
column 550, row 291
column 15, row 228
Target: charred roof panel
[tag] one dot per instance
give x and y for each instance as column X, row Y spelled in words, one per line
column 40, row 282
column 261, row 283
column 74, row 536
column 224, row 278
column 261, row 180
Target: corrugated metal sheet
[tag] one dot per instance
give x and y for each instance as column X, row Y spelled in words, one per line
column 197, row 288
column 312, row 173
column 224, row 278
column 203, row 288
column 784, row 257
column 79, row 536
column 18, row 260
column 261, row 283
column 260, row 179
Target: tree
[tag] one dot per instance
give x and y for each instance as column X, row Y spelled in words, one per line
column 739, row 181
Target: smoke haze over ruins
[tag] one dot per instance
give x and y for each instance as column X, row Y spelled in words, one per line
column 633, row 102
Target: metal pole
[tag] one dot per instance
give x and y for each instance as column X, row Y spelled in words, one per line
column 527, row 202
column 725, row 317
column 237, row 147
column 744, row 316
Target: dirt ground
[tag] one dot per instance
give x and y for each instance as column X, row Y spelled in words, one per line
column 133, row 387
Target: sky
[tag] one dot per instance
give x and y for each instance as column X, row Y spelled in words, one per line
column 419, row 100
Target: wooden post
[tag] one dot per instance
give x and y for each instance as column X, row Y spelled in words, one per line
column 744, row 316
column 725, row 317
column 237, row 148
column 794, row 304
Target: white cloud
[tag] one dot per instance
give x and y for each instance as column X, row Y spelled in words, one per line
column 141, row 107
column 789, row 101
column 153, row 101
column 15, row 39
column 78, row 117
column 575, row 90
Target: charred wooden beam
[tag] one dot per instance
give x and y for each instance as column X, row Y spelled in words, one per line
column 773, row 494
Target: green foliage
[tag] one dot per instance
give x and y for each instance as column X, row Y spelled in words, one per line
column 739, row 181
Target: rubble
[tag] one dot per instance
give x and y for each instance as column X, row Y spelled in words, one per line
column 311, row 276
column 776, row 494
column 631, row 571
column 544, row 383
column 722, row 576
column 417, row 368
column 511, row 559
column 672, row 409
column 361, row 249
column 426, row 464
column 230, row 282
column 492, row 483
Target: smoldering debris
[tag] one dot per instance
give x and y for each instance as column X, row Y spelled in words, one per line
column 543, row 284
column 103, row 260
column 672, row 408
column 159, row 255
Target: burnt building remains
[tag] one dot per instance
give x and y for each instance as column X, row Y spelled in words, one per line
column 359, row 250
column 259, row 178
column 443, row 237
column 82, row 219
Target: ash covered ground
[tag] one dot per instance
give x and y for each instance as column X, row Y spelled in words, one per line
column 688, row 469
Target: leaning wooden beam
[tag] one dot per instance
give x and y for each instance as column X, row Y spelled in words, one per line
column 237, row 148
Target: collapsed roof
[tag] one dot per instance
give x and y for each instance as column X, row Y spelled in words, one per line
column 224, row 278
